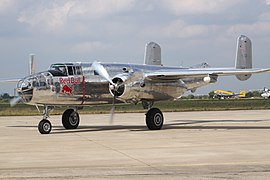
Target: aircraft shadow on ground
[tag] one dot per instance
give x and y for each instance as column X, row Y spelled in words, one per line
column 175, row 124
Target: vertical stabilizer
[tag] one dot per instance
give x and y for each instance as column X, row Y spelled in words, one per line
column 152, row 54
column 243, row 58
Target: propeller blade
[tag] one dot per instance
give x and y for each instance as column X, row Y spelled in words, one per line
column 112, row 115
column 112, row 110
column 14, row 101
column 102, row 71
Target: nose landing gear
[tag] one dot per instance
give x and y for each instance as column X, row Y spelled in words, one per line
column 45, row 126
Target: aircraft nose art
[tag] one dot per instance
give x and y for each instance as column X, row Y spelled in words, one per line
column 67, row 90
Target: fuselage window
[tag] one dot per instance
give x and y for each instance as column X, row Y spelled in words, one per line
column 96, row 73
column 78, row 70
column 74, row 70
column 70, row 70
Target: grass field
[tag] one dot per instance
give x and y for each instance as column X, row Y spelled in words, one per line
column 166, row 106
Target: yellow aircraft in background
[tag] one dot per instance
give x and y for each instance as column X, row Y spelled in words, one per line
column 222, row 94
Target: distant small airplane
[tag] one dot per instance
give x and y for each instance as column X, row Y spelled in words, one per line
column 265, row 93
column 79, row 84
column 222, row 94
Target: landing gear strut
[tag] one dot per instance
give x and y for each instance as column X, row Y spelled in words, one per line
column 45, row 126
column 154, row 119
column 147, row 104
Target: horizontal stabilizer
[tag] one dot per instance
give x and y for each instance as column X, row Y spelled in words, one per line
column 11, row 81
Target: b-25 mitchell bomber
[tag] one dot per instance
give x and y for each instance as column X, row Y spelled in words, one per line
column 79, row 84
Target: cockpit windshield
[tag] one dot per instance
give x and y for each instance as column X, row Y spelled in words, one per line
column 67, row 69
column 58, row 70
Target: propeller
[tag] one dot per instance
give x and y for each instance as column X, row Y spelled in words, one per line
column 112, row 110
column 104, row 73
column 14, row 101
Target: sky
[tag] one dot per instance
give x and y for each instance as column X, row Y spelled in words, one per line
column 189, row 32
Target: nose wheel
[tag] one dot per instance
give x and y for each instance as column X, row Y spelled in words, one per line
column 44, row 126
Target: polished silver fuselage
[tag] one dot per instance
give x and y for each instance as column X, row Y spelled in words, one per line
column 89, row 88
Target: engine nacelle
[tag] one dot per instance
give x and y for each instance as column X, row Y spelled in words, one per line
column 131, row 87
column 125, row 83
column 120, row 85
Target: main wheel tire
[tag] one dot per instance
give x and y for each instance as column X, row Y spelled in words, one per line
column 44, row 126
column 154, row 119
column 70, row 119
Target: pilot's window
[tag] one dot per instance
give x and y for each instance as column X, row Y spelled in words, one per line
column 61, row 69
column 70, row 70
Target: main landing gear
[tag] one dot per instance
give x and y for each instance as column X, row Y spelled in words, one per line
column 70, row 120
column 154, row 119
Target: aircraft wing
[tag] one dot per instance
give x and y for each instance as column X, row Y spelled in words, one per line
column 11, row 81
column 186, row 73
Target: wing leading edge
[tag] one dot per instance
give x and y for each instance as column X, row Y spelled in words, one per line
column 194, row 73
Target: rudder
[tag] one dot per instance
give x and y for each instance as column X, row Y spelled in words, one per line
column 243, row 58
column 152, row 54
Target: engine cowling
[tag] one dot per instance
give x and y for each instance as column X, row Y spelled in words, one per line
column 128, row 86
column 119, row 89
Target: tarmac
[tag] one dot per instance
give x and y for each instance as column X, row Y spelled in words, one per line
column 191, row 145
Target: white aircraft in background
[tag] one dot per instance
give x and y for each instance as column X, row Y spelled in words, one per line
column 80, row 84
column 265, row 93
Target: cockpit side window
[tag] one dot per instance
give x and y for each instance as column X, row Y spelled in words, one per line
column 65, row 69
